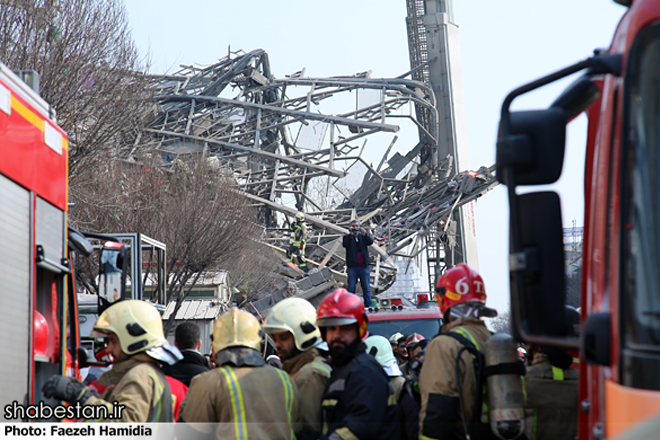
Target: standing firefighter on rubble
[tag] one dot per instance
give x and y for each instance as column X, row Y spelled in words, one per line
column 245, row 397
column 299, row 237
column 292, row 326
column 136, row 341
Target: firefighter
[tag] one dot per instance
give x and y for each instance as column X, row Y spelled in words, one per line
column 551, row 386
column 299, row 237
column 381, row 350
column 359, row 401
column 415, row 343
column 136, row 341
column 243, row 395
column 401, row 353
column 461, row 295
column 291, row 324
column 394, row 341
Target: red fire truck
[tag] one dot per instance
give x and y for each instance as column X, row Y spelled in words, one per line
column 39, row 325
column 400, row 315
column 620, row 337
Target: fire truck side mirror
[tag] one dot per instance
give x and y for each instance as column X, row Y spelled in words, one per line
column 79, row 243
column 83, row 358
column 537, row 271
column 112, row 274
column 533, row 147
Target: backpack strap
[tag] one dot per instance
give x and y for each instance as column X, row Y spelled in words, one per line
column 479, row 361
column 460, row 338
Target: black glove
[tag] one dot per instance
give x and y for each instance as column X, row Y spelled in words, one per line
column 66, row 388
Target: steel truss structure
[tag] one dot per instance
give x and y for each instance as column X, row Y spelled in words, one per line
column 253, row 125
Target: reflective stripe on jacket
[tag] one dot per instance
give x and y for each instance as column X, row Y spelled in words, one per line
column 552, row 400
column 310, row 373
column 246, row 402
column 359, row 401
column 438, row 380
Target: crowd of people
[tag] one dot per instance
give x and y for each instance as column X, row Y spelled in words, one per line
column 330, row 378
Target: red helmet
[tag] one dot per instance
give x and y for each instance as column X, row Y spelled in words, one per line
column 40, row 330
column 342, row 308
column 458, row 285
column 414, row 339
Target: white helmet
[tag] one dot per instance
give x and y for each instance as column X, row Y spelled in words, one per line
column 297, row 316
column 381, row 349
column 139, row 328
column 300, row 216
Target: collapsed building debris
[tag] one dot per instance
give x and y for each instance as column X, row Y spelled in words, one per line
column 275, row 135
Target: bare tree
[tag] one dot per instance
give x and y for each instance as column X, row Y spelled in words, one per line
column 206, row 223
column 502, row 323
column 324, row 194
column 88, row 66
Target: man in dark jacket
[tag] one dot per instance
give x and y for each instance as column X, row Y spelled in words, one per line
column 359, row 400
column 357, row 260
column 187, row 340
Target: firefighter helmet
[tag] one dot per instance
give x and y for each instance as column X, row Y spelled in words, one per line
column 458, row 285
column 236, row 328
column 139, row 328
column 40, row 334
column 342, row 308
column 297, row 316
column 414, row 339
column 300, row 216
column 394, row 339
column 381, row 349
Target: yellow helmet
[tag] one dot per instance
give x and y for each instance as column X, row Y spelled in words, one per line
column 300, row 216
column 137, row 324
column 236, row 328
column 297, row 316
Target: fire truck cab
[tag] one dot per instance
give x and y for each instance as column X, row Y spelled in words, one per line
column 619, row 387
column 37, row 294
column 400, row 315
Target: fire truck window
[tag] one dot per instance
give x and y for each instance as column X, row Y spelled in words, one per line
column 426, row 327
column 640, row 220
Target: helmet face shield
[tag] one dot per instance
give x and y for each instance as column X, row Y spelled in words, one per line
column 335, row 322
column 391, row 367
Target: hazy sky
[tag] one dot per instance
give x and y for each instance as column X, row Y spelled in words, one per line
column 503, row 45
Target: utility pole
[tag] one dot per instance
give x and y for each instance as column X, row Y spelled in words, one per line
column 434, row 48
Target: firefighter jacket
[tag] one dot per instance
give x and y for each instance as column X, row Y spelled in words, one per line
column 359, row 401
column 397, row 385
column 245, row 398
column 310, row 373
column 552, row 400
column 299, row 233
column 139, row 385
column 440, row 414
